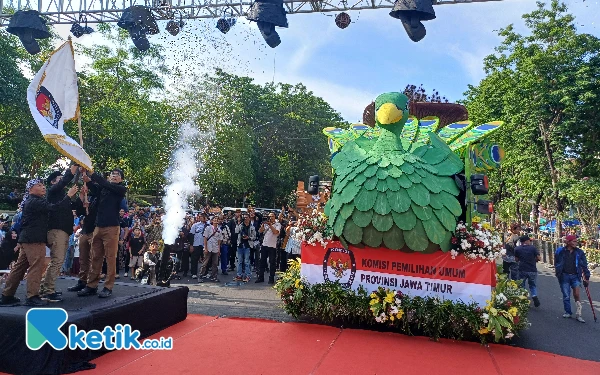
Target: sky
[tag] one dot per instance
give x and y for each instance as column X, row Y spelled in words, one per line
column 350, row 67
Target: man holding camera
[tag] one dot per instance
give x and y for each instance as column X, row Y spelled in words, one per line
column 245, row 241
column 271, row 229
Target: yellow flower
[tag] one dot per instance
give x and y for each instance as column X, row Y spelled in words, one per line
column 389, row 298
column 297, row 284
column 493, row 311
column 486, row 226
column 392, row 318
column 373, row 295
column 400, row 314
column 374, row 301
column 513, row 311
column 483, row 331
column 476, row 219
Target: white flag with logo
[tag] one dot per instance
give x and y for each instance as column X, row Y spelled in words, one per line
column 53, row 98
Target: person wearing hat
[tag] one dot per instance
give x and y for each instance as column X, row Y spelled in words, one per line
column 570, row 264
column 527, row 256
column 105, row 241
column 60, row 228
column 32, row 243
column 509, row 263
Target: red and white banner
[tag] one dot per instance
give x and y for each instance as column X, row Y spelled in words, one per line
column 414, row 274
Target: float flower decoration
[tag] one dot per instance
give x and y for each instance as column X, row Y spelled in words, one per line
column 386, row 306
column 313, row 228
column 506, row 310
column 478, row 241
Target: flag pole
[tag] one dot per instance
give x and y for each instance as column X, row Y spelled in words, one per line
column 80, row 131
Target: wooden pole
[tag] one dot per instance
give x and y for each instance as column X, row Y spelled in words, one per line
column 80, row 131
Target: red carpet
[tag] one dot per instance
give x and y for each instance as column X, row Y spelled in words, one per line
column 208, row 345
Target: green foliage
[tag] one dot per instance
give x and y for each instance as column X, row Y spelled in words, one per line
column 332, row 303
column 266, row 138
column 543, row 85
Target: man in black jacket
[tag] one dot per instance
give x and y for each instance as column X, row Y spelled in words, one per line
column 88, row 210
column 60, row 225
column 32, row 241
column 105, row 241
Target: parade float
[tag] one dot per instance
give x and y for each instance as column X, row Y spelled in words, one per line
column 404, row 242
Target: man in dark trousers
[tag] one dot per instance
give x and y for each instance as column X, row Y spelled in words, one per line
column 60, row 225
column 105, row 242
column 32, row 241
column 570, row 264
column 88, row 210
column 527, row 255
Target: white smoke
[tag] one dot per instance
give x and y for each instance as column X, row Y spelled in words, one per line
column 181, row 182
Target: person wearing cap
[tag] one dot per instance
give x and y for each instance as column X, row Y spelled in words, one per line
column 509, row 263
column 570, row 264
column 32, row 243
column 527, row 256
column 60, row 225
column 105, row 241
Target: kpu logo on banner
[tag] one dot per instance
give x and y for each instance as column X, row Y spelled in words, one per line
column 44, row 326
column 47, row 106
column 339, row 264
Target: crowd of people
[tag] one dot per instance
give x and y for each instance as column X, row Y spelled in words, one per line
column 96, row 236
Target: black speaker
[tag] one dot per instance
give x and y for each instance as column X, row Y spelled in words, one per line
column 313, row 185
column 484, row 207
column 479, row 184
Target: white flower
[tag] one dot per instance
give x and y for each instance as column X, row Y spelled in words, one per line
column 509, row 335
column 485, row 316
column 503, row 251
column 394, row 310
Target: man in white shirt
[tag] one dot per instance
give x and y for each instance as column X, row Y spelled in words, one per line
column 198, row 245
column 212, row 250
column 271, row 229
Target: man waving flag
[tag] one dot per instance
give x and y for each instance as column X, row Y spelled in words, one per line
column 53, row 98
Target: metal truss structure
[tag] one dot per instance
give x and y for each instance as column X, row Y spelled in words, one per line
column 69, row 11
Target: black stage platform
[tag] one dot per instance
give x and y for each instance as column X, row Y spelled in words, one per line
column 146, row 308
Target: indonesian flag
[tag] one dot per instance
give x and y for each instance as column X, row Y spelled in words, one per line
column 53, row 98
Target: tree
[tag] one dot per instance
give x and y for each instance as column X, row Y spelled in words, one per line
column 539, row 85
column 266, row 138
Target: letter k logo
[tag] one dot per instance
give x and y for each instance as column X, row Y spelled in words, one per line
column 43, row 325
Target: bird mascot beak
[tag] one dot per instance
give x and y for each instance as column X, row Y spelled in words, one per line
column 388, row 113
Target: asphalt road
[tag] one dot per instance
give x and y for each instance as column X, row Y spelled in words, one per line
column 548, row 332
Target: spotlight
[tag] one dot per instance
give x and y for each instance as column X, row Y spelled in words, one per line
column 78, row 31
column 411, row 13
column 139, row 21
column 343, row 20
column 267, row 14
column 28, row 26
column 225, row 24
column 174, row 27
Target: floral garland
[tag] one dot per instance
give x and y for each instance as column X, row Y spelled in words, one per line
column 330, row 302
column 479, row 241
column 312, row 228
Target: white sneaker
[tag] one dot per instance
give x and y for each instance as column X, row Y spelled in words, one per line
column 579, row 319
column 194, row 277
column 125, row 275
column 565, row 315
